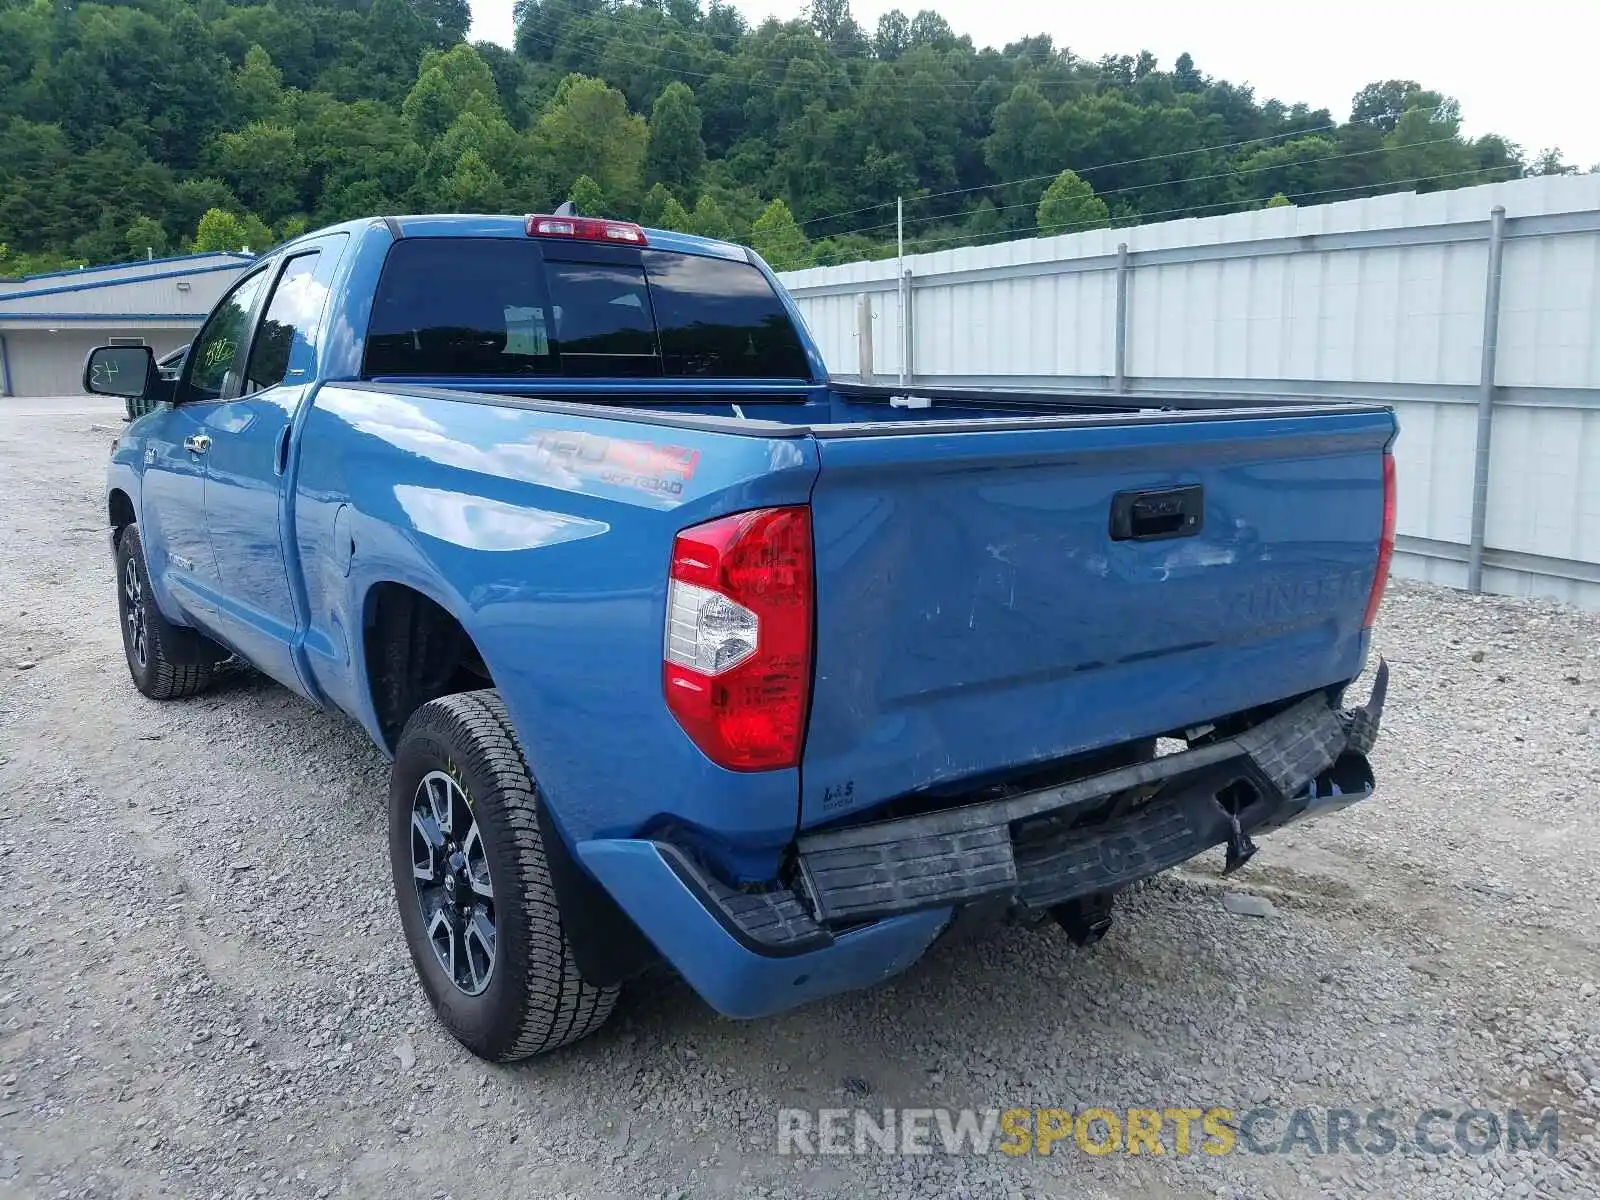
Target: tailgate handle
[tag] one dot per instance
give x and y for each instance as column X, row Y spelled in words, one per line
column 1154, row 515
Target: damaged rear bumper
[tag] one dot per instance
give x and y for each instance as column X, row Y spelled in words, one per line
column 1043, row 848
column 867, row 900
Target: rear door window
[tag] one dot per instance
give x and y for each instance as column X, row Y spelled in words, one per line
column 508, row 308
column 295, row 308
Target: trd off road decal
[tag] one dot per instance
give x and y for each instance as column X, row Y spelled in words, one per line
column 645, row 466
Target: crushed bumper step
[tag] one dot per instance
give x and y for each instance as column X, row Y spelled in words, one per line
column 1038, row 849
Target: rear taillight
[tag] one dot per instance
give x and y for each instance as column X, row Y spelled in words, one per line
column 1385, row 544
column 737, row 659
column 586, row 229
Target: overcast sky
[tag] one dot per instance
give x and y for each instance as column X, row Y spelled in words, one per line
column 1519, row 69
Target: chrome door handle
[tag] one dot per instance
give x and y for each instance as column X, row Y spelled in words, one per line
column 197, row 443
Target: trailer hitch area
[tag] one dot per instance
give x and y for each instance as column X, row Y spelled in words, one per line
column 1240, row 848
column 1085, row 919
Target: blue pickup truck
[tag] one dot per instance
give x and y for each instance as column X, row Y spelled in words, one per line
column 683, row 651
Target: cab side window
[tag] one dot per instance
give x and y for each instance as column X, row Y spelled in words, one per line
column 213, row 359
column 294, row 310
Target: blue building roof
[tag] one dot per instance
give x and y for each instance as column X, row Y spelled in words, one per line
column 135, row 262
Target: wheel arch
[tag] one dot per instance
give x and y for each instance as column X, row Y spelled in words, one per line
column 120, row 510
column 414, row 649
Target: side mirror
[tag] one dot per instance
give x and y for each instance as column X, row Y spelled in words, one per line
column 125, row 371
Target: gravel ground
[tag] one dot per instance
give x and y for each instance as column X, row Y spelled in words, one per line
column 203, row 990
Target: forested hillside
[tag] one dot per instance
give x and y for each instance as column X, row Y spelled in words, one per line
column 163, row 125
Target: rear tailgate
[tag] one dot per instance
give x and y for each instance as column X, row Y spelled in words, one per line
column 975, row 613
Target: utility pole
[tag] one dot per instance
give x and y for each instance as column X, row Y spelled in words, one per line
column 905, row 290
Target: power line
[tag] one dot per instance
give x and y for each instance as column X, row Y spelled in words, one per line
column 1139, row 187
column 982, row 187
column 1130, row 162
column 1057, row 231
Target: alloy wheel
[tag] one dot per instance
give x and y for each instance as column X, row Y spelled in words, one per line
column 451, row 869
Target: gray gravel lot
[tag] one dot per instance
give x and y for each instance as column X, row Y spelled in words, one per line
column 203, row 989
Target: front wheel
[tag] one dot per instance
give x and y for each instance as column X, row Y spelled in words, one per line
column 476, row 899
column 167, row 661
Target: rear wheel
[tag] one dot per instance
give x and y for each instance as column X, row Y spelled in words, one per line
column 473, row 884
column 167, row 661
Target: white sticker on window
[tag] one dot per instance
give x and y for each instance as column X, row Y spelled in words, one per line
column 526, row 332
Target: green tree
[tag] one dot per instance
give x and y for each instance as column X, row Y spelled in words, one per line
column 223, row 230
column 263, row 164
column 1549, row 162
column 360, row 157
column 893, row 37
column 329, row 109
column 654, row 204
column 1185, row 76
column 1424, row 150
column 709, row 219
column 778, row 239
column 1297, row 167
column 1279, row 201
column 984, row 224
column 589, row 199
column 1069, row 205
column 257, row 87
column 675, row 216
column 1024, row 143
column 588, row 130
column 191, row 200
column 258, row 239
column 447, row 21
column 675, row 153
column 146, row 236
column 218, row 230
column 1383, row 104
column 450, row 83
column 474, row 186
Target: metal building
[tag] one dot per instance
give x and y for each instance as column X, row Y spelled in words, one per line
column 49, row 322
column 1475, row 312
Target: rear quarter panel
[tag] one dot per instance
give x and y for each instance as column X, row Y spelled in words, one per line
column 548, row 535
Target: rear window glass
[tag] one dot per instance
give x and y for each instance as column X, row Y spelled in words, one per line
column 497, row 307
column 721, row 318
column 450, row 306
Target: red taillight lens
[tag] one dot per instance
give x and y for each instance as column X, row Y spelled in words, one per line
column 1385, row 544
column 586, row 229
column 737, row 659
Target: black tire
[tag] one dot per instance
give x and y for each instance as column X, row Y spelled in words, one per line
column 167, row 661
column 532, row 999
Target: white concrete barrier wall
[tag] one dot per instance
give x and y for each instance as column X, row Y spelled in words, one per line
column 1375, row 299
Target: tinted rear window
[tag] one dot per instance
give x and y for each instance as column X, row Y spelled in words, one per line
column 449, row 306
column 722, row 319
column 463, row 306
